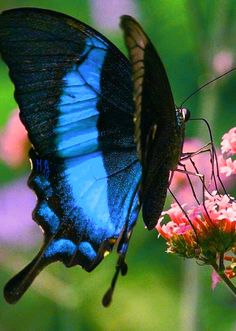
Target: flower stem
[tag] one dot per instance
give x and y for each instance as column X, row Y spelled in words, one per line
column 226, row 280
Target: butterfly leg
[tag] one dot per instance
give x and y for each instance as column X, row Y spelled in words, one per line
column 203, row 149
column 208, row 148
column 215, row 173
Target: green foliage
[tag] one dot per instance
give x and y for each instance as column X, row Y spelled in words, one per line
column 187, row 34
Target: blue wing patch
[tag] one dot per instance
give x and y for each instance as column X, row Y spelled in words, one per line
column 81, row 89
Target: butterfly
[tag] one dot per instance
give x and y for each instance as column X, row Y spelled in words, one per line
column 105, row 135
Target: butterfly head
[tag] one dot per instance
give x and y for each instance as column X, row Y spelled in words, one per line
column 182, row 116
column 185, row 113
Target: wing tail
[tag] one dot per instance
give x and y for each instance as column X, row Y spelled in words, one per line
column 19, row 284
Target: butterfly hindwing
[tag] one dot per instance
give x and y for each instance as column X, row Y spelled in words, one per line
column 74, row 91
column 158, row 134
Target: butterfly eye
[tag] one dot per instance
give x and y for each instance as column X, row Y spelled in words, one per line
column 186, row 114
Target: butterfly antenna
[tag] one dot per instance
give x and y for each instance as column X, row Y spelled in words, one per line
column 206, row 84
column 122, row 268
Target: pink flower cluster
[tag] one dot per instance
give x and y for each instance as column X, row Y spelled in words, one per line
column 228, row 148
column 206, row 231
column 202, row 231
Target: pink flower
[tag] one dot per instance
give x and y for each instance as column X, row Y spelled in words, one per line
column 228, row 143
column 228, row 149
column 178, row 225
column 14, row 143
column 227, row 166
column 223, row 61
column 204, row 231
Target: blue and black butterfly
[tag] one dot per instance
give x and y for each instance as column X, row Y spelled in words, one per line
column 105, row 135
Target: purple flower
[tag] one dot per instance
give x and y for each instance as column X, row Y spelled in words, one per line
column 16, row 204
column 106, row 14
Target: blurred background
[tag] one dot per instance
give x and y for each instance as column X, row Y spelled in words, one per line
column 196, row 41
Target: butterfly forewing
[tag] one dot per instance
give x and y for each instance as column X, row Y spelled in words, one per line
column 74, row 91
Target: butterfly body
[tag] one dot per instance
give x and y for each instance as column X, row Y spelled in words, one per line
column 97, row 156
